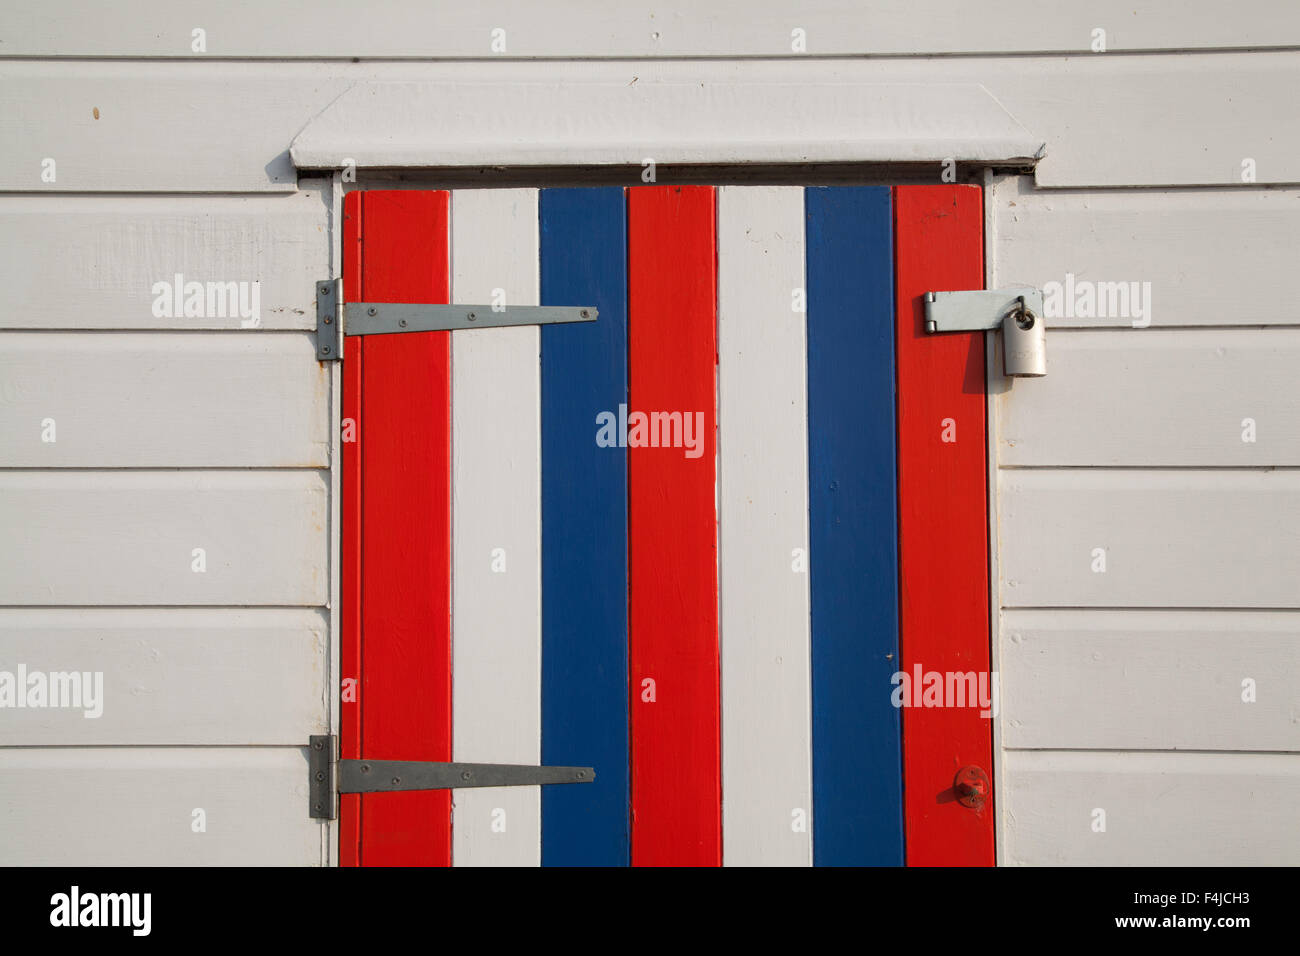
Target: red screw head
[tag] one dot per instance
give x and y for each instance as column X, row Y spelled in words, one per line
column 972, row 787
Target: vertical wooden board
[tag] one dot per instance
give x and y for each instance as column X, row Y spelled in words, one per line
column 857, row 786
column 350, row 656
column 584, row 528
column 496, row 532
column 763, row 528
column 943, row 520
column 406, row 534
column 672, row 527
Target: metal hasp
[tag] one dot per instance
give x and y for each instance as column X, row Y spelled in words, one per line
column 334, row 318
column 977, row 309
column 1018, row 312
column 328, row 776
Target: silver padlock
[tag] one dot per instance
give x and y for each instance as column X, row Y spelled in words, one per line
column 1024, row 343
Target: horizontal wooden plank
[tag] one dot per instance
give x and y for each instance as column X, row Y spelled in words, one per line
column 158, row 127
column 135, row 399
column 1182, row 242
column 91, row 262
column 1157, row 397
column 1161, row 809
column 161, row 122
column 591, row 28
column 1169, row 538
column 131, row 806
column 113, row 538
column 1151, row 680
column 169, row 676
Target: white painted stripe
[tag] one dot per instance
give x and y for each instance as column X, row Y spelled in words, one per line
column 763, row 449
column 496, row 527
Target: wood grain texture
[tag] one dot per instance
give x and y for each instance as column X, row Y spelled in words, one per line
column 496, row 522
column 584, row 529
column 1177, row 240
column 943, row 519
column 763, row 529
column 588, row 28
column 1157, row 397
column 254, row 800
column 406, row 532
column 672, row 529
column 172, row 676
column 1151, row 680
column 177, row 400
column 853, row 530
column 90, row 262
column 1172, row 538
column 1235, row 818
column 128, row 537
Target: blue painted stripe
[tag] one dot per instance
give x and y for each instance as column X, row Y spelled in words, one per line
column 584, row 529
column 853, row 527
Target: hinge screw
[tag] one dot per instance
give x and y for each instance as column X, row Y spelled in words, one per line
column 472, row 316
column 318, row 746
column 584, row 313
column 320, row 775
column 372, row 311
column 324, row 290
column 466, row 775
column 329, row 319
column 400, row 322
column 325, row 349
column 365, row 768
column 396, row 781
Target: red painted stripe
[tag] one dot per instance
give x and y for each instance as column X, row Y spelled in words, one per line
column 943, row 520
column 350, row 605
column 406, row 527
column 672, row 530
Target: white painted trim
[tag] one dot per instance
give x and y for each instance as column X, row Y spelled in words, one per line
column 423, row 124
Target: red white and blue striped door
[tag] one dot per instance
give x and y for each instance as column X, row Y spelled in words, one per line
column 715, row 544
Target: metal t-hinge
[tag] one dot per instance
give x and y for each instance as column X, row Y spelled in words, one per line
column 328, row 776
column 1018, row 312
column 336, row 318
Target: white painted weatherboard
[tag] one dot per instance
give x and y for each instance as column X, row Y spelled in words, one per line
column 1157, row 397
column 1165, row 809
column 496, row 520
column 91, row 262
column 1151, row 680
column 763, row 475
column 171, row 676
column 169, row 126
column 1172, row 538
column 140, row 399
column 1212, row 256
column 597, row 28
column 128, row 538
column 135, row 806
